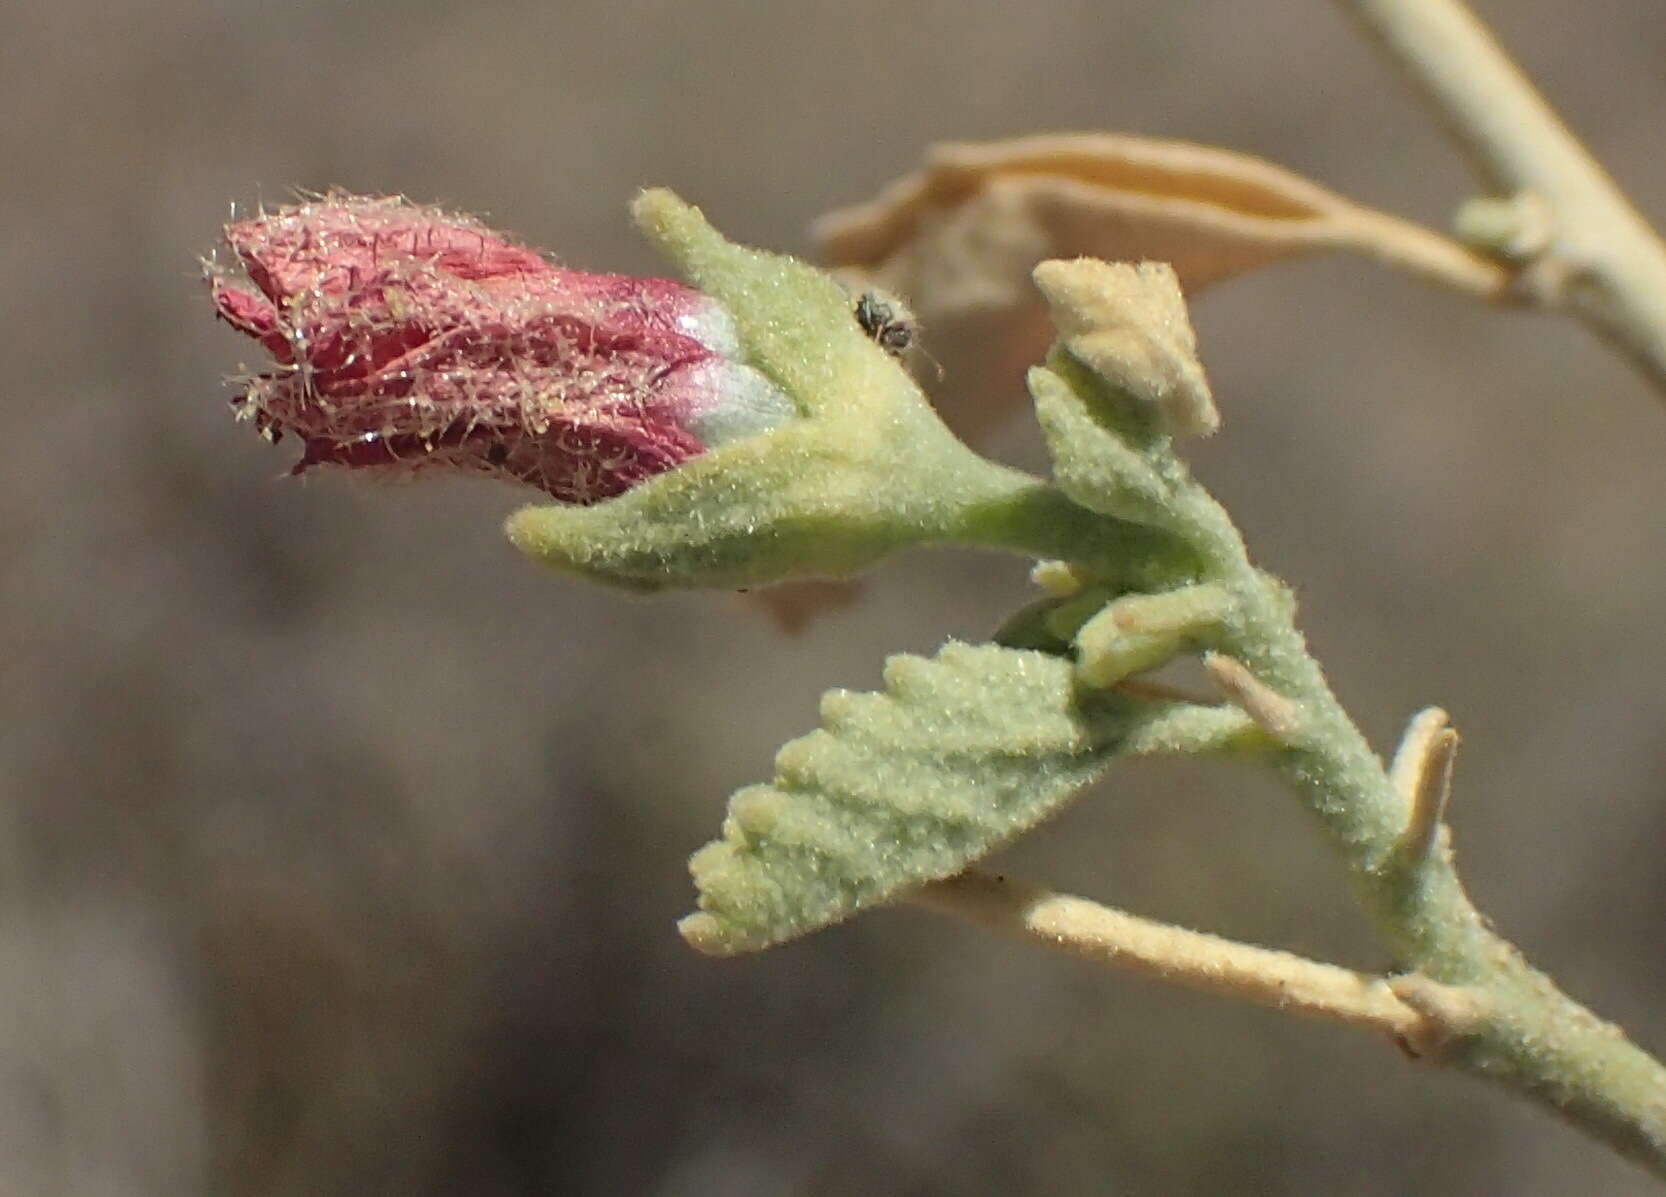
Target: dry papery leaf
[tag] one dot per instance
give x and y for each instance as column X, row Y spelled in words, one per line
column 959, row 238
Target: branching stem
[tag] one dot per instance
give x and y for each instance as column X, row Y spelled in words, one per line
column 1526, row 1034
column 1600, row 260
column 1270, row 978
column 1529, row 1035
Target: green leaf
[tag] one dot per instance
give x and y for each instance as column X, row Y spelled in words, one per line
column 960, row 754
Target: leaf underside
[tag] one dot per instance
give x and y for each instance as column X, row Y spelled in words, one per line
column 959, row 754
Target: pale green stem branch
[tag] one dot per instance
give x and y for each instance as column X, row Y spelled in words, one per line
column 1529, row 1035
column 1601, row 260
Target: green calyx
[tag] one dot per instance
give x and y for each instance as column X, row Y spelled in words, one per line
column 867, row 469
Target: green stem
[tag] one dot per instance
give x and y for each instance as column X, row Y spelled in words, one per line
column 1520, row 1029
column 1530, row 1036
column 1021, row 514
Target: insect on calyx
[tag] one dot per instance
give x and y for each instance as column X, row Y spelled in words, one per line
column 887, row 320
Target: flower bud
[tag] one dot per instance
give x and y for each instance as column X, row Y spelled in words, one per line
column 868, row 467
column 1127, row 322
column 405, row 338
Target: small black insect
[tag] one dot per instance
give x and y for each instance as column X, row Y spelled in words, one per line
column 887, row 321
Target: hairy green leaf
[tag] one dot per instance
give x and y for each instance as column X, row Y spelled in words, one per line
column 957, row 756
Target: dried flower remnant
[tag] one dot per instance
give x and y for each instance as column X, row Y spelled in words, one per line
column 406, row 338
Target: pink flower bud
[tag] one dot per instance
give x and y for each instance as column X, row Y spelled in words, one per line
column 407, row 338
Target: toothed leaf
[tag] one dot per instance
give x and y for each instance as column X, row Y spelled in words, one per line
column 958, row 755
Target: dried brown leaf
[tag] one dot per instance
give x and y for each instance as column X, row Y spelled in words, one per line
column 959, row 238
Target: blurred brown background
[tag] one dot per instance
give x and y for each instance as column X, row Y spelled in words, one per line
column 340, row 847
